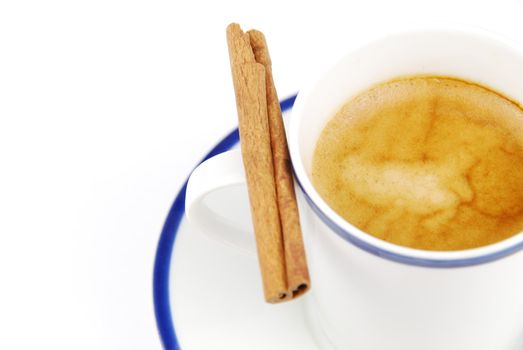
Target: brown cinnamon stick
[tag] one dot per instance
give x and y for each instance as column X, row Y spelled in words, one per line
column 251, row 102
column 298, row 279
column 267, row 166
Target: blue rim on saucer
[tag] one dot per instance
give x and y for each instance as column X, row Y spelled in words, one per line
column 162, row 263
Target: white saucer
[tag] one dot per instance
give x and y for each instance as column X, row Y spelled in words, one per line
column 209, row 296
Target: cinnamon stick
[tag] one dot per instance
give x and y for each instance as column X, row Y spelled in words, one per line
column 251, row 102
column 281, row 254
column 298, row 279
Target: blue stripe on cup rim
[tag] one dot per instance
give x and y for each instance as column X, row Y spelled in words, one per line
column 406, row 259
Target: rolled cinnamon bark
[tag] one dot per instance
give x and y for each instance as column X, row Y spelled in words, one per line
column 251, row 102
column 265, row 154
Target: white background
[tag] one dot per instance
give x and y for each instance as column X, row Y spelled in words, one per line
column 105, row 107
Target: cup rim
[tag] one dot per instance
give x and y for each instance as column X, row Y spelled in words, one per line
column 358, row 237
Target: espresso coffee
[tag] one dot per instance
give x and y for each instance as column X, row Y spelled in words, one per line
column 432, row 163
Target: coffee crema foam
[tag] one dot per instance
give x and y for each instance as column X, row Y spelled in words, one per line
column 431, row 163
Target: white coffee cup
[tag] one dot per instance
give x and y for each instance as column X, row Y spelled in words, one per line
column 367, row 293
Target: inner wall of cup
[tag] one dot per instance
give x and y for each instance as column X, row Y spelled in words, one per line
column 476, row 57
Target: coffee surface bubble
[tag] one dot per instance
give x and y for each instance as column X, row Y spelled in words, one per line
column 431, row 163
